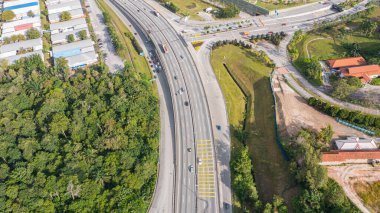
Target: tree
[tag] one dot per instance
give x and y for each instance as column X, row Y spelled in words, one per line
column 33, row 33
column 82, row 34
column 369, row 27
column 30, row 13
column 81, row 143
column 70, row 38
column 326, row 134
column 342, row 89
column 65, row 16
column 8, row 15
column 229, row 11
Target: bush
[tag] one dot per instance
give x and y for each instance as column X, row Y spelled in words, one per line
column 172, row 7
column 292, row 46
column 229, row 11
column 8, row 15
column 33, row 33
column 70, row 38
column 356, row 117
column 311, row 68
column 82, row 34
column 375, row 81
column 30, row 13
column 65, row 16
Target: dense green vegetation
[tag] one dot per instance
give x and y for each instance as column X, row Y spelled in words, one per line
column 228, row 11
column 356, row 117
column 320, row 194
column 275, row 38
column 76, row 143
column 243, row 75
column 171, row 6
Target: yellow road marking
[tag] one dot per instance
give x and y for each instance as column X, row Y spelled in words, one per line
column 211, row 193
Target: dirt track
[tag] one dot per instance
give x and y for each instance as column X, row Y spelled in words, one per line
column 294, row 113
column 346, row 176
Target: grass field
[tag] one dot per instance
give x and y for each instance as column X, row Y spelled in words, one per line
column 369, row 193
column 191, row 7
column 273, row 6
column 332, row 46
column 270, row 169
column 129, row 53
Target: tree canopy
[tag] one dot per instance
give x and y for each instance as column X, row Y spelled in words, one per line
column 81, row 143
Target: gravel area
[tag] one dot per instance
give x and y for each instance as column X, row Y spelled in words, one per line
column 113, row 61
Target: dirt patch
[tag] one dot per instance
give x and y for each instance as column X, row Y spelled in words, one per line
column 294, row 113
column 347, row 176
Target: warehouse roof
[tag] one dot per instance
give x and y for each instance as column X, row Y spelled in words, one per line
column 21, row 44
column 67, row 24
column 14, row 58
column 73, row 45
column 73, row 13
column 61, row 36
column 82, row 59
column 12, row 24
column 70, row 5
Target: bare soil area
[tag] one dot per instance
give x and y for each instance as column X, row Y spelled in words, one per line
column 294, row 113
column 348, row 175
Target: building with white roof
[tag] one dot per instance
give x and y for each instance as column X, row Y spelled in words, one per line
column 82, row 60
column 355, row 143
column 77, row 54
column 13, row 59
column 70, row 25
column 22, row 7
column 77, row 13
column 51, row 2
column 74, row 48
column 64, row 6
column 20, row 26
column 13, row 49
column 60, row 38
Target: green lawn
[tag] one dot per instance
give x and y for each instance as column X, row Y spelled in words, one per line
column 191, row 7
column 273, row 6
column 332, row 46
column 129, row 53
column 271, row 170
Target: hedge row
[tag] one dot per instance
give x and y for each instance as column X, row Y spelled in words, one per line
column 111, row 30
column 356, row 117
column 135, row 44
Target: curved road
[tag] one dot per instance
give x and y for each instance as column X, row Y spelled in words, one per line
column 196, row 189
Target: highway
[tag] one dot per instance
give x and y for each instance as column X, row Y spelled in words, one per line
column 196, row 185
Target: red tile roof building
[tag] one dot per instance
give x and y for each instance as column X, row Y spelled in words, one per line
column 346, row 62
column 364, row 73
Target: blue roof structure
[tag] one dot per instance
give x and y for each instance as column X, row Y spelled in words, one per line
column 14, row 7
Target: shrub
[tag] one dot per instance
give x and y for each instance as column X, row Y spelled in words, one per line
column 82, row 34
column 365, row 120
column 8, row 15
column 70, row 38
column 33, row 33
column 65, row 16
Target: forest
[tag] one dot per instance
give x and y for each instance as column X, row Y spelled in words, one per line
column 83, row 142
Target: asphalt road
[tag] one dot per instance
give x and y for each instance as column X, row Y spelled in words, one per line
column 196, row 189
